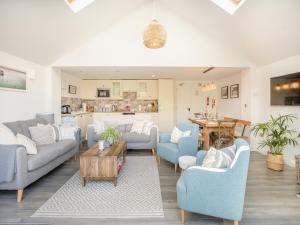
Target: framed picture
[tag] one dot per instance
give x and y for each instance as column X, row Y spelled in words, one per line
column 234, row 91
column 72, row 89
column 224, row 92
column 13, row 79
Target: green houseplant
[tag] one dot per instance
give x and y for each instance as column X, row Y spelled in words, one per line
column 276, row 135
column 112, row 135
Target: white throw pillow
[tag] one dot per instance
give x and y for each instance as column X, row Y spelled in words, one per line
column 7, row 137
column 99, row 126
column 55, row 130
column 177, row 134
column 219, row 158
column 28, row 143
column 147, row 127
column 137, row 126
column 42, row 135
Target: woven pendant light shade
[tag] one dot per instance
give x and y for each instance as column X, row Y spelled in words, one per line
column 155, row 35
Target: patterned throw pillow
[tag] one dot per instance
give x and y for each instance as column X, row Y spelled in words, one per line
column 177, row 134
column 137, row 126
column 147, row 127
column 219, row 158
column 42, row 135
column 28, row 143
column 55, row 129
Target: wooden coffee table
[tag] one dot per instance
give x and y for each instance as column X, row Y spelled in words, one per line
column 96, row 164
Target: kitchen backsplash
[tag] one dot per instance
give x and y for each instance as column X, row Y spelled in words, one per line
column 128, row 103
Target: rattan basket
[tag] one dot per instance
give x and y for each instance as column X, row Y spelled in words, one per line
column 297, row 162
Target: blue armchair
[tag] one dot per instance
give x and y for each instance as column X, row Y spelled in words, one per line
column 215, row 192
column 186, row 145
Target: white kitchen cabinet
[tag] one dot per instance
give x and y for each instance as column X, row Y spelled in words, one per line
column 116, row 90
column 129, row 85
column 88, row 89
column 147, row 89
column 105, row 84
column 81, row 120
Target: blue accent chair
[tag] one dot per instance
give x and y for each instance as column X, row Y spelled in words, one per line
column 186, row 145
column 215, row 192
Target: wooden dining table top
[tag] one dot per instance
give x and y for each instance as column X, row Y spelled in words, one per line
column 210, row 123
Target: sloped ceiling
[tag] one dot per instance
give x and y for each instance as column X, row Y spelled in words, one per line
column 42, row 31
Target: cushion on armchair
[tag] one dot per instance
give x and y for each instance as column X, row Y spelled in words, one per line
column 177, row 134
column 219, row 158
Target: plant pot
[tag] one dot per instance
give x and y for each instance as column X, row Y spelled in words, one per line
column 275, row 162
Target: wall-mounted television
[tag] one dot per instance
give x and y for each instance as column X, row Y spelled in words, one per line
column 285, row 90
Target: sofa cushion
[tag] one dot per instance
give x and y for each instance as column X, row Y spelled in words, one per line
column 25, row 124
column 66, row 145
column 42, row 135
column 15, row 127
column 47, row 153
column 136, row 138
column 7, row 137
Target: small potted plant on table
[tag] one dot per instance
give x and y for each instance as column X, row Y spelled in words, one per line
column 111, row 135
column 276, row 135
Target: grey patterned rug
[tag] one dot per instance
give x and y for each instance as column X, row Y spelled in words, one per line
column 137, row 194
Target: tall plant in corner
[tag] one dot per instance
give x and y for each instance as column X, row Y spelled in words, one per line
column 276, row 135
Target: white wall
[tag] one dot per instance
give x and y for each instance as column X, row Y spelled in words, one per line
column 260, row 97
column 122, row 45
column 230, row 107
column 66, row 80
column 189, row 94
column 23, row 105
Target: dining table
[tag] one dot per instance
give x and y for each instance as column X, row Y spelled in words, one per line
column 209, row 126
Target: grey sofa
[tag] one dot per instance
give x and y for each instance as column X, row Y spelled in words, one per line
column 29, row 168
column 134, row 140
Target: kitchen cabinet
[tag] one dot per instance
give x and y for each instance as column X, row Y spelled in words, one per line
column 129, row 85
column 116, row 90
column 81, row 120
column 88, row 89
column 147, row 89
column 104, row 84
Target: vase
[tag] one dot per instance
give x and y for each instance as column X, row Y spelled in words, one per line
column 275, row 162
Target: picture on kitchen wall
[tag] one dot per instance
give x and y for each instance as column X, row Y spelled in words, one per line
column 72, row 89
column 234, row 91
column 12, row 79
column 224, row 92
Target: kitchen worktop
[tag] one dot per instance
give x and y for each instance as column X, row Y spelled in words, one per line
column 75, row 114
column 82, row 113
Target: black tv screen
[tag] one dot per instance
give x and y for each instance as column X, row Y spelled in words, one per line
column 285, row 90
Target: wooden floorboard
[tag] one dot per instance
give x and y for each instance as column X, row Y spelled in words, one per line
column 270, row 198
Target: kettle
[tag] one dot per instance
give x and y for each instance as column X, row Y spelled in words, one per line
column 66, row 109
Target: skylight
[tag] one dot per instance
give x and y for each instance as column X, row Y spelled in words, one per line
column 77, row 5
column 230, row 6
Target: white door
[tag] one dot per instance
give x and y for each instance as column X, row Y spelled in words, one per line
column 187, row 101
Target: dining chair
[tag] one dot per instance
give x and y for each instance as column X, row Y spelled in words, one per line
column 225, row 135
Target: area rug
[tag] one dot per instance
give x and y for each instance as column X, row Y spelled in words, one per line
column 137, row 195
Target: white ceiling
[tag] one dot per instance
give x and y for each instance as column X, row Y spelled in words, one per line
column 43, row 31
column 177, row 73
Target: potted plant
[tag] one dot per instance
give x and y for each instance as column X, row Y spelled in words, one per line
column 111, row 135
column 276, row 135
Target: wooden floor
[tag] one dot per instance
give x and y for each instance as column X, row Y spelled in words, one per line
column 270, row 199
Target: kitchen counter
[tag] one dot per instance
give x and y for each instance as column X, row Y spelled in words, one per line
column 75, row 114
column 83, row 113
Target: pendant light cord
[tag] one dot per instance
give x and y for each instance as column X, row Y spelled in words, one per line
column 154, row 14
